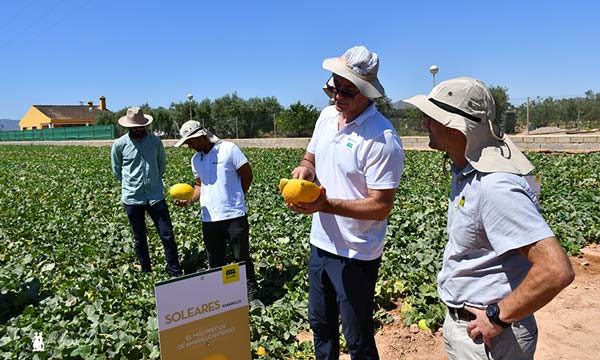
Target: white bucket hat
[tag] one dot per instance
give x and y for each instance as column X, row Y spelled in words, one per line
column 192, row 129
column 466, row 104
column 135, row 118
column 359, row 66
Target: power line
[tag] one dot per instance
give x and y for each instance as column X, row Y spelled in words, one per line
column 15, row 15
column 60, row 20
column 36, row 21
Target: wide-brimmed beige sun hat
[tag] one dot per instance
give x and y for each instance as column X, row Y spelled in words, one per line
column 135, row 117
column 359, row 66
column 192, row 129
column 467, row 105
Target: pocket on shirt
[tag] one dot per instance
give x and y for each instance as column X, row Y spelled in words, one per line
column 463, row 229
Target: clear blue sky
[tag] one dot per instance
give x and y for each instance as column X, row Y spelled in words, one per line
column 157, row 51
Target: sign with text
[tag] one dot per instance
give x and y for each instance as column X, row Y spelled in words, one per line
column 204, row 316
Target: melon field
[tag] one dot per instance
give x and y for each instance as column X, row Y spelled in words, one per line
column 67, row 264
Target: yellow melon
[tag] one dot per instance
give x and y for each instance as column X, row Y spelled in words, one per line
column 299, row 191
column 181, row 191
column 423, row 325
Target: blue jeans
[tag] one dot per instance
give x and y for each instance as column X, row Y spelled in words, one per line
column 159, row 213
column 346, row 287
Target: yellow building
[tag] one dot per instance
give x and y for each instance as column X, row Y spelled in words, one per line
column 56, row 116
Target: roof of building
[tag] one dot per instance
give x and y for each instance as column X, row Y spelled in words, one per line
column 59, row 112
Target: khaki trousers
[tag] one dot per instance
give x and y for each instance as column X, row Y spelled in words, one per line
column 516, row 342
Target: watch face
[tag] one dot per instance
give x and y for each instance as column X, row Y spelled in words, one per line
column 491, row 310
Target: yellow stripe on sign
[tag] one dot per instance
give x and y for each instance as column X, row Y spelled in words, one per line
column 231, row 273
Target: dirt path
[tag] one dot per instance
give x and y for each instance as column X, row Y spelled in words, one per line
column 568, row 325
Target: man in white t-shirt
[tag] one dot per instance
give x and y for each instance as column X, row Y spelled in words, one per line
column 502, row 261
column 223, row 177
column 357, row 157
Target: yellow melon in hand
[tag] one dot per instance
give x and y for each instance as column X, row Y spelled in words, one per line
column 299, row 191
column 181, row 191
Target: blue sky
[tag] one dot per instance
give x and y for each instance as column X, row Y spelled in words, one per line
column 156, row 52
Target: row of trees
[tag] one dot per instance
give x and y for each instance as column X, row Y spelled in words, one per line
column 572, row 113
column 581, row 113
column 230, row 117
column 233, row 117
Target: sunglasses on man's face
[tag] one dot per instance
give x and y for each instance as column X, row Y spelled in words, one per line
column 343, row 93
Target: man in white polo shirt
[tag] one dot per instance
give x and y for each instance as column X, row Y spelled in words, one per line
column 502, row 261
column 357, row 157
column 223, row 177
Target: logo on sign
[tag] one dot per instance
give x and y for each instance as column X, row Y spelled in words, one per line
column 231, row 273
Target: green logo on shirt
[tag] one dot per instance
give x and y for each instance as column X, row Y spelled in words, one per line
column 350, row 142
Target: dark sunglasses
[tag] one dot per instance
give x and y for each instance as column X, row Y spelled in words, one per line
column 343, row 93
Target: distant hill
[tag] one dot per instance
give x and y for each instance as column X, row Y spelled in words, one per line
column 9, row 125
column 401, row 105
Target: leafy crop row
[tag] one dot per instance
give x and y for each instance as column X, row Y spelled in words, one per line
column 66, row 253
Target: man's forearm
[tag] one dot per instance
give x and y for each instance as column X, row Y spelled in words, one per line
column 551, row 272
column 362, row 209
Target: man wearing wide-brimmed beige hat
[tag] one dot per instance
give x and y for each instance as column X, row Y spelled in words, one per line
column 223, row 178
column 502, row 262
column 139, row 163
column 357, row 157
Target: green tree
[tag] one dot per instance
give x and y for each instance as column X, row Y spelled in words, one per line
column 107, row 118
column 501, row 99
column 180, row 113
column 261, row 115
column 384, row 106
column 226, row 114
column 297, row 121
column 410, row 123
column 162, row 120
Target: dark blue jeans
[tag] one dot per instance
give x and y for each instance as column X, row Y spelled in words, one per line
column 159, row 213
column 235, row 233
column 346, row 287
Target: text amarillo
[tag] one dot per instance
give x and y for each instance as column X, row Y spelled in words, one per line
column 192, row 311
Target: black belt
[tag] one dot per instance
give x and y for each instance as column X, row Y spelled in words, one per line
column 460, row 314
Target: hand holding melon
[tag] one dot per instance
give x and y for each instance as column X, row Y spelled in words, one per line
column 296, row 191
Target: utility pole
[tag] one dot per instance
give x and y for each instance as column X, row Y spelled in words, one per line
column 527, row 116
column 433, row 69
column 190, row 98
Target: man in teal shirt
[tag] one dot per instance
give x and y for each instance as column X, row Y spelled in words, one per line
column 139, row 163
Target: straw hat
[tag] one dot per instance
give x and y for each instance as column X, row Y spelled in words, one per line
column 135, row 118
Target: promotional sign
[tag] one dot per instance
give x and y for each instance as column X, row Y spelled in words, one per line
column 204, row 316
